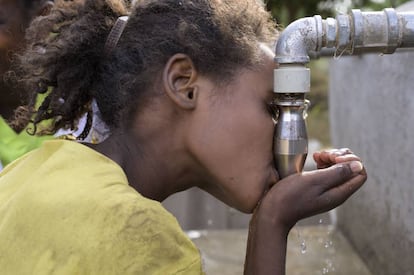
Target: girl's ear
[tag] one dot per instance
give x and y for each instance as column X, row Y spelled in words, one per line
column 44, row 8
column 179, row 81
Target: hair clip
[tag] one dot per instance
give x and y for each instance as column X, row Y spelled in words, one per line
column 115, row 34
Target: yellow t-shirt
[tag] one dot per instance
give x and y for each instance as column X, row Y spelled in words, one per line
column 66, row 209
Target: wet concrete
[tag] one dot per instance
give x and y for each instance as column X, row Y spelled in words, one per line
column 316, row 249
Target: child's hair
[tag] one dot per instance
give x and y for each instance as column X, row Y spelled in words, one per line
column 65, row 58
column 29, row 4
column 28, row 7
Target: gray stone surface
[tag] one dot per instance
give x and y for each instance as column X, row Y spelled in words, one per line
column 196, row 209
column 372, row 112
column 312, row 250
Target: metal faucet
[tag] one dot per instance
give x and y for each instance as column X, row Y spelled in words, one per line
column 291, row 139
column 356, row 33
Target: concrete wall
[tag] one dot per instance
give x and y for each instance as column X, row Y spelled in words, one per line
column 196, row 209
column 372, row 112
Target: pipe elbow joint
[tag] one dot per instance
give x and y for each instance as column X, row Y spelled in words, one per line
column 298, row 39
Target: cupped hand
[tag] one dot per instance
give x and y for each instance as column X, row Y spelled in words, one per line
column 330, row 157
column 298, row 196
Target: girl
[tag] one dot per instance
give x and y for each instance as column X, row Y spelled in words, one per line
column 186, row 88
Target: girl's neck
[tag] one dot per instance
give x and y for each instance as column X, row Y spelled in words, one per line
column 156, row 169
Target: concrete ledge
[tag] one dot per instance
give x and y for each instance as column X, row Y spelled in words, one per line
column 319, row 249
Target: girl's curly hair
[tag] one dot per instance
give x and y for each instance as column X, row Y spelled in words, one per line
column 65, row 58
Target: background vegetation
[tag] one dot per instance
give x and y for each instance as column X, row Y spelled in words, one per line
column 286, row 11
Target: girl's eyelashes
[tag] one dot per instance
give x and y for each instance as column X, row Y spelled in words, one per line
column 272, row 109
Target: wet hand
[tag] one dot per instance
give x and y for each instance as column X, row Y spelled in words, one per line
column 298, row 196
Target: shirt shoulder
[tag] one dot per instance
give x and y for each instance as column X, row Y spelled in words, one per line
column 94, row 221
column 149, row 240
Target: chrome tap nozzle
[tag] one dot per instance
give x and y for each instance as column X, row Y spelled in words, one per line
column 290, row 146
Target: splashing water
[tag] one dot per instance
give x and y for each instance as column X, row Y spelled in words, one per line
column 325, row 250
column 303, row 247
column 328, row 244
column 329, row 267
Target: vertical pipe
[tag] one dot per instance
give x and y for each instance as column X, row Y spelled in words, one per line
column 357, row 33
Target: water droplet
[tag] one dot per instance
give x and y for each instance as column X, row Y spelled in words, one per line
column 320, row 221
column 210, row 222
column 328, row 244
column 303, row 247
column 325, row 270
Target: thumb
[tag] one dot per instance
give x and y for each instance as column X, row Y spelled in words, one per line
column 336, row 175
column 337, row 183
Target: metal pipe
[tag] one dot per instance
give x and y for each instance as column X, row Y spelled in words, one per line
column 359, row 32
column 356, row 33
column 298, row 39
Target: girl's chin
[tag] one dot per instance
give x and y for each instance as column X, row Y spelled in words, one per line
column 248, row 208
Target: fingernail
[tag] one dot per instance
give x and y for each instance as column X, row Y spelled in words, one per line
column 356, row 166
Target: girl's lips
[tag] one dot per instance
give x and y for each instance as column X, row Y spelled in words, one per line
column 274, row 177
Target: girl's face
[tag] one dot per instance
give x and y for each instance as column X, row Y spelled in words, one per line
column 234, row 139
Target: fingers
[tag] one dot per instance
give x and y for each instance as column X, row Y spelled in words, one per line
column 305, row 194
column 347, row 158
column 335, row 175
column 327, row 158
column 341, row 193
column 336, row 184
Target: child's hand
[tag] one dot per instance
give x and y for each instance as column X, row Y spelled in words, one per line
column 299, row 196
column 327, row 158
column 340, row 173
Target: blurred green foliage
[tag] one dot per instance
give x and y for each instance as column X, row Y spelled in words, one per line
column 286, row 11
column 318, row 119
